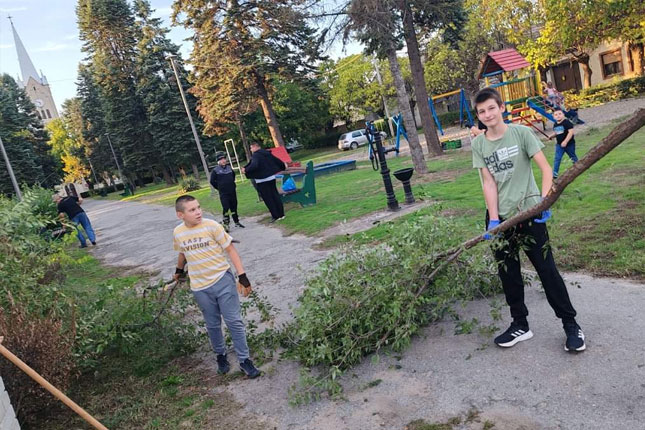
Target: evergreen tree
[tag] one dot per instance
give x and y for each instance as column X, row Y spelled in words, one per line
column 240, row 47
column 91, row 124
column 157, row 88
column 108, row 32
column 24, row 139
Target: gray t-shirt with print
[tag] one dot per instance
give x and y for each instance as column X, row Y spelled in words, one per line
column 508, row 159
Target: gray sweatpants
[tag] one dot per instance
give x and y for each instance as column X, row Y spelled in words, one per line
column 218, row 301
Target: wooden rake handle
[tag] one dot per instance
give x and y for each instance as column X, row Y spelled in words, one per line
column 49, row 387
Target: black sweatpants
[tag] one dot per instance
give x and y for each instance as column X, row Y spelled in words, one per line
column 271, row 198
column 229, row 203
column 533, row 238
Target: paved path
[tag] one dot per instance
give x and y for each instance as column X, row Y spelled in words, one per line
column 535, row 385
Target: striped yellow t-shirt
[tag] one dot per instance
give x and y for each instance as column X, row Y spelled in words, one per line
column 203, row 245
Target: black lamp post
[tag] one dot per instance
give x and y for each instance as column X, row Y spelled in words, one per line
column 379, row 152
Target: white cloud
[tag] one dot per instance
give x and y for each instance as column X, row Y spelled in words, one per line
column 6, row 46
column 12, row 9
column 72, row 36
column 51, row 46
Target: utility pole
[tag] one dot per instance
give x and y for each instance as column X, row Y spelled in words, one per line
column 172, row 57
column 115, row 160
column 10, row 170
column 387, row 111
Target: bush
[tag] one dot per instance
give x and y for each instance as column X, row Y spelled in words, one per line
column 448, row 119
column 365, row 298
column 323, row 141
column 189, row 184
column 603, row 93
column 46, row 344
column 60, row 327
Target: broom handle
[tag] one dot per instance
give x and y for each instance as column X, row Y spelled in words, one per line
column 49, row 387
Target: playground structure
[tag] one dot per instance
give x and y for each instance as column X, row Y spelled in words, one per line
column 464, row 108
column 520, row 88
column 234, row 161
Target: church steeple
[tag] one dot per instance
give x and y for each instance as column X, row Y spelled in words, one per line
column 27, row 68
column 34, row 84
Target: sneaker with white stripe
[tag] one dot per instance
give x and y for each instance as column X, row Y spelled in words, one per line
column 514, row 334
column 575, row 337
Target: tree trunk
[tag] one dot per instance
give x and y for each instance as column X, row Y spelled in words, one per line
column 269, row 113
column 195, row 170
column 166, row 175
column 637, row 57
column 404, row 104
column 416, row 67
column 245, row 141
column 586, row 71
column 414, row 117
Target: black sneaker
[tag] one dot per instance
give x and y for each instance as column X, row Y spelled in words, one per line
column 514, row 334
column 223, row 366
column 94, row 243
column 575, row 338
column 249, row 369
column 237, row 224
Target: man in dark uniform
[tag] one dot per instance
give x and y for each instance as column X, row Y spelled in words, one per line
column 223, row 180
column 263, row 168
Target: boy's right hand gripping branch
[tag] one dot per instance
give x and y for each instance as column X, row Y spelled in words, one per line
column 243, row 285
column 491, row 225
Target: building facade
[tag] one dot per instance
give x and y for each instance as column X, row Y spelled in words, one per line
column 35, row 84
column 610, row 60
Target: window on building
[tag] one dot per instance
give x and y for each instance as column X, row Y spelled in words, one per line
column 612, row 64
column 42, row 114
column 38, row 113
column 48, row 114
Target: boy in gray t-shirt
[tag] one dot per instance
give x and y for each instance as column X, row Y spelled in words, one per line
column 503, row 156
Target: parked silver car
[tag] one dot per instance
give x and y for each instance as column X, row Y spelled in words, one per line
column 354, row 139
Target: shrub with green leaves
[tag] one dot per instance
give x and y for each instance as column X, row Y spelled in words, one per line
column 604, row 93
column 189, row 184
column 365, row 298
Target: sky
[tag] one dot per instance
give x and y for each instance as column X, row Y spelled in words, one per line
column 49, row 32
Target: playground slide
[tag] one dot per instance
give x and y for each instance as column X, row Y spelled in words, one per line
column 538, row 105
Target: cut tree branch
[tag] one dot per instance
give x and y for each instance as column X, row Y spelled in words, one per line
column 617, row 136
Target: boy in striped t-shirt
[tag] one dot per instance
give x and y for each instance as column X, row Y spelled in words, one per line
column 203, row 244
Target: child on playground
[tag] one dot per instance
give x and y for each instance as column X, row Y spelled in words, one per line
column 503, row 156
column 565, row 142
column 223, row 180
column 203, row 244
column 553, row 96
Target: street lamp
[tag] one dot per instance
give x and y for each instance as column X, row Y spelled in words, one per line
column 10, row 170
column 172, row 57
column 115, row 159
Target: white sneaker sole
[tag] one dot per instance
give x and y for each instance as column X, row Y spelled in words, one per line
column 525, row 336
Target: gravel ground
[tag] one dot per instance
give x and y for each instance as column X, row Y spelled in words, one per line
column 535, row 385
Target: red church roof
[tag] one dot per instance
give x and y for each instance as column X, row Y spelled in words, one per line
column 503, row 61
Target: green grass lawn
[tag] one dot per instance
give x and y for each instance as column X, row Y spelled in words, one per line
column 598, row 223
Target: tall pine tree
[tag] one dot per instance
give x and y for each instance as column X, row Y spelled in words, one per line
column 157, row 88
column 25, row 140
column 108, row 32
column 239, row 47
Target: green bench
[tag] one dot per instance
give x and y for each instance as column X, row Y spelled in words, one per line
column 306, row 195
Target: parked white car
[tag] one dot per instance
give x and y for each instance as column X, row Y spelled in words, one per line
column 354, row 139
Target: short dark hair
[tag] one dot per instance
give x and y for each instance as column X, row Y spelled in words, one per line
column 487, row 94
column 256, row 144
column 181, row 200
column 558, row 109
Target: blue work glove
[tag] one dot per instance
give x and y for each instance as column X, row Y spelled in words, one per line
column 544, row 217
column 491, row 225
